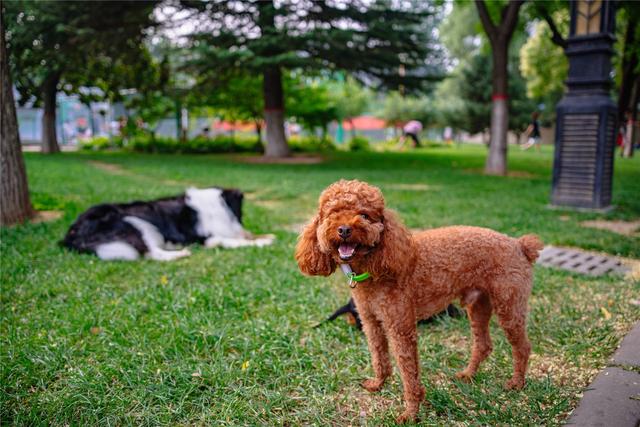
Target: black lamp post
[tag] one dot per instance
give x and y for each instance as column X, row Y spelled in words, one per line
column 586, row 115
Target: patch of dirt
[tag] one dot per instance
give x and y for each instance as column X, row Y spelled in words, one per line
column 510, row 174
column 356, row 403
column 109, row 167
column 269, row 204
column 561, row 371
column 46, row 216
column 410, row 187
column 114, row 169
column 626, row 228
column 293, row 160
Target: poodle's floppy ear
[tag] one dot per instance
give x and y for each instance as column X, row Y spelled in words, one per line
column 395, row 251
column 311, row 260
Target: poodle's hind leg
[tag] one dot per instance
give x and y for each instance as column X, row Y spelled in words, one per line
column 479, row 312
column 512, row 316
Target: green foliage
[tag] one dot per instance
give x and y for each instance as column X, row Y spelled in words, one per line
column 460, row 32
column 310, row 144
column 544, row 64
column 100, row 143
column 198, row 145
column 350, row 97
column 309, row 102
column 78, row 44
column 398, row 109
column 147, row 143
column 359, row 143
column 316, row 35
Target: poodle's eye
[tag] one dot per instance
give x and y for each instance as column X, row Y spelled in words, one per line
column 364, row 216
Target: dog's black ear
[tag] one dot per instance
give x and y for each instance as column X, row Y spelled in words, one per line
column 233, row 198
column 311, row 260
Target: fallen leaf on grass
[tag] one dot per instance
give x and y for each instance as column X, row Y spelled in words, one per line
column 605, row 313
column 95, row 330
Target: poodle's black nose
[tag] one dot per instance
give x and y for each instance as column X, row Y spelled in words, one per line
column 344, row 231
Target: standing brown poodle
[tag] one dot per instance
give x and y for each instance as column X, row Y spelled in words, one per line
column 413, row 276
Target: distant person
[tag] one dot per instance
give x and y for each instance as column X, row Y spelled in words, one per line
column 204, row 133
column 411, row 130
column 448, row 135
column 533, row 132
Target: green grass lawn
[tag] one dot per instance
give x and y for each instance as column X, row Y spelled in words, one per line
column 225, row 337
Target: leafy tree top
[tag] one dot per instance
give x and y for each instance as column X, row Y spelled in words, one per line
column 373, row 39
column 80, row 42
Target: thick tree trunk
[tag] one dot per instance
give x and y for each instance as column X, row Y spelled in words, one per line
column 496, row 163
column 15, row 206
column 274, row 113
column 49, row 138
column 499, row 36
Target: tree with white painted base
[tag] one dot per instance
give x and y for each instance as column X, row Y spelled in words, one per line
column 499, row 37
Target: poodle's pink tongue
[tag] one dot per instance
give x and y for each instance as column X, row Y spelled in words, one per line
column 346, row 250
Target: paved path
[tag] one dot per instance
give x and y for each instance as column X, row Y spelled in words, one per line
column 613, row 398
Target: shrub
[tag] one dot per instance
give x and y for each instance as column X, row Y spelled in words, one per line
column 99, row 143
column 198, row 145
column 359, row 143
column 310, row 144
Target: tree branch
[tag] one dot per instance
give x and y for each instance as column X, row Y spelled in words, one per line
column 487, row 23
column 556, row 37
column 510, row 18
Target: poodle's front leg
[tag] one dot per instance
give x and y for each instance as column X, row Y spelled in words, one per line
column 403, row 335
column 379, row 349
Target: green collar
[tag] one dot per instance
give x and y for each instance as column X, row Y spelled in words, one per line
column 354, row 278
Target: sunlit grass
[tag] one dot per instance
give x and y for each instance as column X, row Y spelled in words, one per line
column 226, row 337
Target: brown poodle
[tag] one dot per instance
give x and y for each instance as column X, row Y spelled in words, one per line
column 413, row 276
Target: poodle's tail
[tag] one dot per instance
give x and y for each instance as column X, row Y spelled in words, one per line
column 530, row 245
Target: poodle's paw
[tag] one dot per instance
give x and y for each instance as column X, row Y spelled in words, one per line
column 406, row 417
column 466, row 376
column 514, row 384
column 372, row 384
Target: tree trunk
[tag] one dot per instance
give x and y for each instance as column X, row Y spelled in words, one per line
column 496, row 163
column 631, row 134
column 49, row 137
column 353, row 128
column 629, row 64
column 15, row 205
column 274, row 113
column 499, row 36
column 258, row 130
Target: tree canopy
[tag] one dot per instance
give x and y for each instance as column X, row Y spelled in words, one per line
column 383, row 43
column 68, row 45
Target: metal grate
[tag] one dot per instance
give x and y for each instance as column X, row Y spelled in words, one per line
column 579, row 261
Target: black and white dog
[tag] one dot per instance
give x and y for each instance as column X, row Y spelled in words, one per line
column 127, row 231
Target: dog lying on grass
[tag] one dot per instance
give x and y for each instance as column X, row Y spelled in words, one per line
column 128, row 231
column 398, row 277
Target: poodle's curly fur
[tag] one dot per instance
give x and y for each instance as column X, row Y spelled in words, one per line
column 414, row 276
